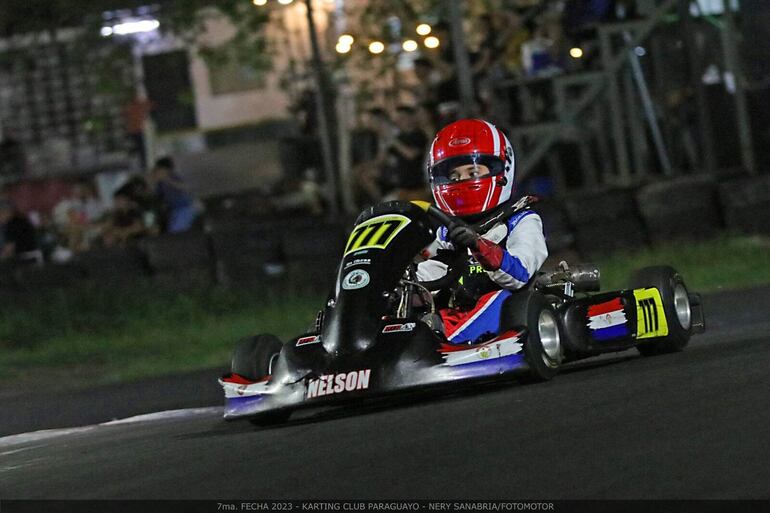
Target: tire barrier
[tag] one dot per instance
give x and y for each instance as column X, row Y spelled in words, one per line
column 605, row 221
column 746, row 204
column 31, row 278
column 681, row 208
column 303, row 253
column 247, row 253
column 180, row 260
column 312, row 251
column 558, row 234
column 113, row 266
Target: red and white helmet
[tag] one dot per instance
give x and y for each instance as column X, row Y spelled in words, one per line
column 471, row 141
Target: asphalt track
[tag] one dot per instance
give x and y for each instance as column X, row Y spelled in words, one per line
column 688, row 425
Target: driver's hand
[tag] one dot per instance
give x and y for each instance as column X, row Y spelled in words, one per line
column 463, row 235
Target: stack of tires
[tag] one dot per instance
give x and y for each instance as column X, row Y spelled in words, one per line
column 746, row 204
column 685, row 207
column 558, row 235
column 313, row 249
column 605, row 221
column 180, row 260
column 247, row 252
column 113, row 266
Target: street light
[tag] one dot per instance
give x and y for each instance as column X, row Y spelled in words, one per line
column 576, row 53
column 423, row 29
column 346, row 39
column 376, row 47
column 259, row 3
column 431, row 42
column 342, row 47
column 409, row 45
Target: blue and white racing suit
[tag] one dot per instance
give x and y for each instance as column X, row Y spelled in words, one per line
column 520, row 252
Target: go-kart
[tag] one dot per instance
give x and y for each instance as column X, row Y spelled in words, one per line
column 380, row 332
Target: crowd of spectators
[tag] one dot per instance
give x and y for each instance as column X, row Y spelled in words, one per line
column 144, row 205
column 526, row 44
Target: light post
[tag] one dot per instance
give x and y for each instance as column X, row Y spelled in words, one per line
column 325, row 114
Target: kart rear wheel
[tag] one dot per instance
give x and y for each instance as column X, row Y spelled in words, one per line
column 253, row 357
column 543, row 349
column 676, row 305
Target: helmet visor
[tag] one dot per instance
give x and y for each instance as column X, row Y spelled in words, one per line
column 465, row 167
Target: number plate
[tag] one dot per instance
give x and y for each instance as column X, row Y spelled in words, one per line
column 650, row 316
column 376, row 233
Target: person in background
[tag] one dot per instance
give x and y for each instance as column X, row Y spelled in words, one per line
column 427, row 80
column 19, row 236
column 135, row 113
column 77, row 216
column 12, row 159
column 125, row 222
column 177, row 202
column 374, row 132
column 403, row 177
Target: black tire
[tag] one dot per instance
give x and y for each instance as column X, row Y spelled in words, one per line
column 666, row 280
column 253, row 356
column 527, row 308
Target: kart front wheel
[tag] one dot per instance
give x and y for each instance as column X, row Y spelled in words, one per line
column 543, row 348
column 253, row 357
column 676, row 306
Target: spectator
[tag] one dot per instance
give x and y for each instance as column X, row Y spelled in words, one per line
column 427, row 81
column 374, row 132
column 542, row 55
column 516, row 34
column 135, row 113
column 427, row 118
column 77, row 216
column 125, row 223
column 177, row 203
column 443, row 63
column 403, row 176
column 19, row 236
column 12, row 159
column 304, row 195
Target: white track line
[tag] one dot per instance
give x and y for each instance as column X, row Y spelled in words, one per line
column 47, row 434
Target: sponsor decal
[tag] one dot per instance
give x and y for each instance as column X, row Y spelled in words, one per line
column 376, row 233
column 475, row 269
column 505, row 344
column 355, row 279
column 607, row 320
column 330, row 384
column 459, row 141
column 303, row 341
column 358, row 261
column 398, row 328
column 650, row 316
column 239, row 387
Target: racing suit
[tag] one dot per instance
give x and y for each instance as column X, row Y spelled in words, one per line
column 505, row 259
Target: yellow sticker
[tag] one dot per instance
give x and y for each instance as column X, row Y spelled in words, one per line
column 376, row 233
column 650, row 316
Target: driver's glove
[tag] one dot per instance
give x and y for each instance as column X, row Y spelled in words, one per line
column 463, row 235
column 486, row 252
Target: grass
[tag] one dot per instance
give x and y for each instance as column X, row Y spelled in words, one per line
column 727, row 262
column 91, row 335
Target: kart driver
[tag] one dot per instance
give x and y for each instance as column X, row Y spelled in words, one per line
column 471, row 166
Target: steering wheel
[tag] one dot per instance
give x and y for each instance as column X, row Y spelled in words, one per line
column 456, row 265
column 458, row 261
